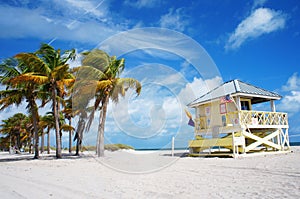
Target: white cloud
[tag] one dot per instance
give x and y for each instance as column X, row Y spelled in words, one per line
column 88, row 6
column 80, row 21
column 258, row 3
column 261, row 21
column 293, row 83
column 142, row 3
column 291, row 101
column 198, row 88
column 174, row 19
column 157, row 112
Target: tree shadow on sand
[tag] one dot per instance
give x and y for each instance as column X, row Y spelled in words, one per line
column 29, row 157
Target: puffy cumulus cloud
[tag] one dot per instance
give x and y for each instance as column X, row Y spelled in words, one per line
column 174, row 19
column 142, row 3
column 261, row 21
column 293, row 83
column 198, row 88
column 291, row 100
column 151, row 114
column 157, row 114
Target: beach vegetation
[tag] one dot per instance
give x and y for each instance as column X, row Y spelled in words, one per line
column 44, row 77
column 17, row 75
column 15, row 133
column 115, row 147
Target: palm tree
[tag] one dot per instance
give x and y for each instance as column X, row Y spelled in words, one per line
column 14, row 129
column 28, row 125
column 15, row 76
column 69, row 114
column 56, row 69
column 82, row 93
column 50, row 69
column 47, row 121
column 109, row 85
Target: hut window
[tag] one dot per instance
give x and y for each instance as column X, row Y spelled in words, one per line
column 245, row 105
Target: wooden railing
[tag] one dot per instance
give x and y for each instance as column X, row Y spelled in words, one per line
column 256, row 118
column 253, row 119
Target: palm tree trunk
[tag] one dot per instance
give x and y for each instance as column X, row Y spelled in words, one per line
column 79, row 133
column 48, row 140
column 56, row 118
column 100, row 137
column 35, row 129
column 42, row 142
column 70, row 136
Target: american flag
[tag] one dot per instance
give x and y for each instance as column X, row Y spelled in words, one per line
column 226, row 99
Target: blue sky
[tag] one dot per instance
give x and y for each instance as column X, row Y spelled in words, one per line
column 254, row 41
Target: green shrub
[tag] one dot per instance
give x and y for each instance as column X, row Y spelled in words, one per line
column 109, row 147
column 115, row 147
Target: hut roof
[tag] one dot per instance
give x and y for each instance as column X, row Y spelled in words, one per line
column 236, row 88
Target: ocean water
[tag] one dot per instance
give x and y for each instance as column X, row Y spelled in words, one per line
column 295, row 143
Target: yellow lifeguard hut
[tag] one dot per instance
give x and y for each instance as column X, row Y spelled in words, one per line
column 226, row 124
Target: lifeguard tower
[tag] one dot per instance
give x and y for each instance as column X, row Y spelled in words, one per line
column 226, row 124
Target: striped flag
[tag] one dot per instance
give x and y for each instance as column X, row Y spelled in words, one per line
column 226, row 99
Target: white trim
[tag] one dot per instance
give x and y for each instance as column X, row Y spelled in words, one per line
column 192, row 105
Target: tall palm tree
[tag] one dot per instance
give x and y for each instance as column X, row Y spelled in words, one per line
column 50, row 69
column 109, row 85
column 56, row 69
column 15, row 76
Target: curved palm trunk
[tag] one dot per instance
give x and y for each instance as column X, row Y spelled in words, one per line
column 56, row 118
column 100, row 137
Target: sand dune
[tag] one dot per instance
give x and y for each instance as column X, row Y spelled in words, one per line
column 128, row 174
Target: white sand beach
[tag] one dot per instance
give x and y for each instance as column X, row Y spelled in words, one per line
column 130, row 174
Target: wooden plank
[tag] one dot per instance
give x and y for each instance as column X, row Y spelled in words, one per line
column 260, row 141
column 211, row 142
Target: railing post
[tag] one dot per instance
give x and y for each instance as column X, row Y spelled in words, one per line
column 173, row 143
column 273, row 109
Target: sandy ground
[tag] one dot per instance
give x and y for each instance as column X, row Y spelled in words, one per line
column 130, row 174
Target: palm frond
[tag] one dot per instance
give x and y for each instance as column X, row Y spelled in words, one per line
column 29, row 78
column 104, row 84
column 59, row 72
column 66, row 127
column 10, row 97
column 8, row 69
column 97, row 59
column 33, row 63
column 89, row 72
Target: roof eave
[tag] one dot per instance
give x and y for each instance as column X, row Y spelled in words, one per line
column 193, row 105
